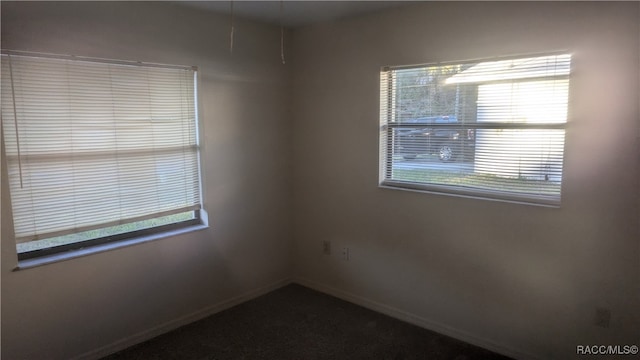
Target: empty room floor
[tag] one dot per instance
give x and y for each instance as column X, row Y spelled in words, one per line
column 295, row 322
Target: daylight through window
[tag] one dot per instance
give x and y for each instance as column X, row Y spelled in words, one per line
column 97, row 150
column 493, row 129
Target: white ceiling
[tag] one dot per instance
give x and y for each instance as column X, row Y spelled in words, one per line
column 294, row 13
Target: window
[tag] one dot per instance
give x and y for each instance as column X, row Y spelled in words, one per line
column 492, row 129
column 97, row 150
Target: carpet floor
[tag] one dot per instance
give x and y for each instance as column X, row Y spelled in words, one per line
column 295, row 322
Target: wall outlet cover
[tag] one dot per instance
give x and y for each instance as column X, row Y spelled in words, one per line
column 345, row 253
column 326, row 247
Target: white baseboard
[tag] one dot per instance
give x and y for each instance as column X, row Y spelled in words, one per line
column 417, row 320
column 369, row 304
column 176, row 323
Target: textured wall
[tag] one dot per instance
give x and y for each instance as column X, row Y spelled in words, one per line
column 522, row 279
column 61, row 310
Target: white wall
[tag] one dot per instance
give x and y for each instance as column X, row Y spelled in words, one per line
column 66, row 309
column 520, row 279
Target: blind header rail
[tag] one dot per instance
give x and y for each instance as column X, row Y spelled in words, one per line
column 7, row 52
column 474, row 60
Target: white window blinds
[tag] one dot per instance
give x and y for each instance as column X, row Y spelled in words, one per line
column 92, row 144
column 486, row 128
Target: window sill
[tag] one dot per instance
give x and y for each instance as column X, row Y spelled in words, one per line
column 452, row 191
column 72, row 254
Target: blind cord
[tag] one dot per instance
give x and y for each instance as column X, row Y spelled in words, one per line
column 232, row 30
column 282, row 31
column 15, row 119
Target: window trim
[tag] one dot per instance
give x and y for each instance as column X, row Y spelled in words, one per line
column 477, row 194
column 109, row 246
column 32, row 258
column 110, row 238
column 387, row 125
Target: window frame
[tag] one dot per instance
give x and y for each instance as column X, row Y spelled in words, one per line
column 32, row 254
column 388, row 125
column 200, row 218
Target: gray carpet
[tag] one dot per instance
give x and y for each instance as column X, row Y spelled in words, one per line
column 295, row 322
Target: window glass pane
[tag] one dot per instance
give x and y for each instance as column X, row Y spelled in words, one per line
column 93, row 144
column 493, row 128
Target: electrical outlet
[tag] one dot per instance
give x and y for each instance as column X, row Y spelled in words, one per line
column 345, row 253
column 326, row 247
column 603, row 317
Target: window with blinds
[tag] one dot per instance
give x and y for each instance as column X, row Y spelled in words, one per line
column 491, row 129
column 97, row 150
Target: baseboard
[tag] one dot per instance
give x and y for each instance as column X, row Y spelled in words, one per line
column 417, row 320
column 373, row 305
column 176, row 323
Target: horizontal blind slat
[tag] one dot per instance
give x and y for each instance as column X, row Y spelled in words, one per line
column 494, row 128
column 100, row 144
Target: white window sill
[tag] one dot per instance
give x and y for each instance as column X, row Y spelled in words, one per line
column 72, row 254
column 472, row 194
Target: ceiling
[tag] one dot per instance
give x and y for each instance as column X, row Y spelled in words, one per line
column 294, row 13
